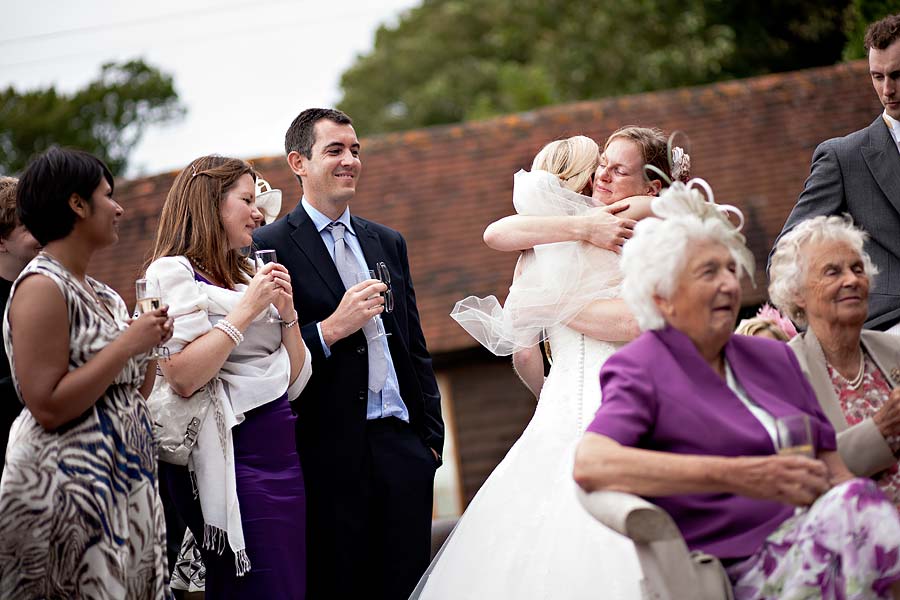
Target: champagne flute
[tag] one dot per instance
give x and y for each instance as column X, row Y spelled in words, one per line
column 379, row 323
column 264, row 257
column 794, row 436
column 148, row 297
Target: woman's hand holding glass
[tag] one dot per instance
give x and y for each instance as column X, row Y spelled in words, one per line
column 270, row 286
column 791, row 479
column 266, row 257
column 284, row 298
column 148, row 331
column 794, row 476
column 149, row 299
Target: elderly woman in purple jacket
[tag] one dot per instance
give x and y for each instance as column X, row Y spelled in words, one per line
column 688, row 421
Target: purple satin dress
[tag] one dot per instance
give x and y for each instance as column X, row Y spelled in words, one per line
column 272, row 499
column 273, row 509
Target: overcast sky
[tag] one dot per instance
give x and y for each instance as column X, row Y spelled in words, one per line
column 244, row 69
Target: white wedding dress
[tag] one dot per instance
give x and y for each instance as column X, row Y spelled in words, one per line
column 525, row 536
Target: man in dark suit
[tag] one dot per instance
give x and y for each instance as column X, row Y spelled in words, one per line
column 860, row 174
column 369, row 427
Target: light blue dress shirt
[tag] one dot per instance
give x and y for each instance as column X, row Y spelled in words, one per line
column 387, row 402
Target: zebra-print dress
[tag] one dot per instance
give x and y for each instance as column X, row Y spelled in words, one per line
column 80, row 515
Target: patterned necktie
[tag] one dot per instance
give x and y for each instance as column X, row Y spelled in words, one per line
column 347, row 268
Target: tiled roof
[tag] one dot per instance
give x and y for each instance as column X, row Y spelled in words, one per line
column 751, row 139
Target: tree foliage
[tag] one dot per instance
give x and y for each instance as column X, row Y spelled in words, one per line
column 452, row 60
column 858, row 16
column 107, row 117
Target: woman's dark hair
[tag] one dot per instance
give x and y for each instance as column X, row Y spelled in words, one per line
column 42, row 198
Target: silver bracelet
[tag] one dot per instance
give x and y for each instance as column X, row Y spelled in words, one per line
column 230, row 330
column 289, row 324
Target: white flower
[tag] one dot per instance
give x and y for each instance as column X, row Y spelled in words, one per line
column 681, row 164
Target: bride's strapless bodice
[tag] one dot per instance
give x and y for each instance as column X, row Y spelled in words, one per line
column 571, row 393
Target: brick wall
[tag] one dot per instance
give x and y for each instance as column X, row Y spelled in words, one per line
column 490, row 409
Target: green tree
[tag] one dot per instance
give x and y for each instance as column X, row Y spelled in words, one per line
column 451, row 60
column 858, row 16
column 107, row 117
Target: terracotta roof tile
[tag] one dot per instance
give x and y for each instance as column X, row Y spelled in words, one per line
column 751, row 139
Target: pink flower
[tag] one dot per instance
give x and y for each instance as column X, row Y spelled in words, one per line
column 770, row 313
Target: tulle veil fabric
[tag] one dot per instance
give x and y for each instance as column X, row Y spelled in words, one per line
column 555, row 281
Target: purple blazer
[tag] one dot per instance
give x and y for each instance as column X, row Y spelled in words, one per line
column 660, row 394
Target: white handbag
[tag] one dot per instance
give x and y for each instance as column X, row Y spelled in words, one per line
column 177, row 420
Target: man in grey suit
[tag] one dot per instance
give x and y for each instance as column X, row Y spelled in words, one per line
column 859, row 174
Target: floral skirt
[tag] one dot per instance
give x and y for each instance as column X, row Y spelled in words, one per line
column 844, row 546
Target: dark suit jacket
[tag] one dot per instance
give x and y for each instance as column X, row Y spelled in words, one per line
column 859, row 174
column 332, row 409
column 10, row 406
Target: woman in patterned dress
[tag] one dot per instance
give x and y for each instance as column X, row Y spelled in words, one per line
column 81, row 516
column 820, row 277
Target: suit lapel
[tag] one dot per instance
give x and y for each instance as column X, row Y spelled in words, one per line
column 368, row 241
column 309, row 241
column 883, row 160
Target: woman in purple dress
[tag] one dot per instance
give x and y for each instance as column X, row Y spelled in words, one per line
column 249, row 510
column 689, row 420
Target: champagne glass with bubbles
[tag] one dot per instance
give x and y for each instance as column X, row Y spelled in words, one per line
column 148, row 297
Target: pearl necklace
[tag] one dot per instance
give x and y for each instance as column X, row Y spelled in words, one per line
column 856, row 381
column 200, row 266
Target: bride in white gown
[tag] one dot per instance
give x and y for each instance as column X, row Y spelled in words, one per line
column 524, row 535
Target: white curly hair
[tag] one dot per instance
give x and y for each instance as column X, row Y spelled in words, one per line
column 787, row 270
column 653, row 260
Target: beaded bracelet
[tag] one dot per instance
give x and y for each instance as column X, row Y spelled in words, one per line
column 233, row 332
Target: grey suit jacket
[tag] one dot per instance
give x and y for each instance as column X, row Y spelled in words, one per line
column 859, row 174
column 862, row 446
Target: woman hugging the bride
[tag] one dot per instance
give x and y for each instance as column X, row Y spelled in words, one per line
column 524, row 535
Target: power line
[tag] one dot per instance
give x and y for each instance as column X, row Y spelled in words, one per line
column 142, row 21
column 192, row 38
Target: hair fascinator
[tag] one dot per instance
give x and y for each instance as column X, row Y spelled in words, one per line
column 678, row 154
column 695, row 199
column 770, row 313
column 268, row 200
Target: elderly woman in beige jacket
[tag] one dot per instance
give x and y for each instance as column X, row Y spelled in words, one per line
column 820, row 277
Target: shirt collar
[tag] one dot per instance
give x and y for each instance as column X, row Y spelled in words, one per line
column 321, row 221
column 893, row 125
